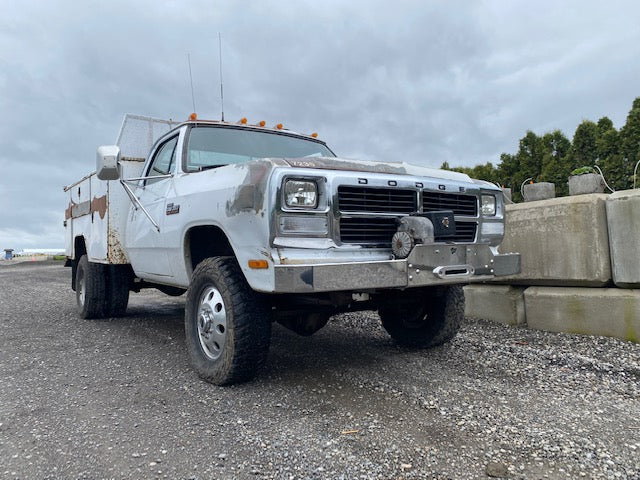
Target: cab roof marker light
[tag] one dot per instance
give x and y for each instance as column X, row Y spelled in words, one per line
column 193, row 116
column 279, row 126
column 242, row 121
column 262, row 123
column 314, row 134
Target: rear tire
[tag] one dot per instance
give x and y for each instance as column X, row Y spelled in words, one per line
column 91, row 288
column 227, row 327
column 432, row 320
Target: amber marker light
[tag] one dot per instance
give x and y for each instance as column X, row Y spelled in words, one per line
column 314, row 135
column 279, row 126
column 193, row 116
column 243, row 121
column 262, row 123
column 258, row 264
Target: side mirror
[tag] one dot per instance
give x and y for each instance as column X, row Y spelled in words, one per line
column 107, row 162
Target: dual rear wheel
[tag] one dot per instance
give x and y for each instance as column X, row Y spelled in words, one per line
column 101, row 290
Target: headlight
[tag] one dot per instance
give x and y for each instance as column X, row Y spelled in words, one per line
column 488, row 207
column 300, row 194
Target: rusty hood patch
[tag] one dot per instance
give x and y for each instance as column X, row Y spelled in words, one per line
column 249, row 195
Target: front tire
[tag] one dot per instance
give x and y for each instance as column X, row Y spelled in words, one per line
column 432, row 320
column 227, row 327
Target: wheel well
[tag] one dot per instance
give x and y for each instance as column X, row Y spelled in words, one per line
column 79, row 249
column 204, row 242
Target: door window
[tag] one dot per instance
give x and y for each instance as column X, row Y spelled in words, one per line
column 163, row 161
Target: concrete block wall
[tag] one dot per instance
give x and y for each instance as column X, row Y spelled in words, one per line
column 499, row 303
column 562, row 241
column 623, row 220
column 573, row 250
column 609, row 312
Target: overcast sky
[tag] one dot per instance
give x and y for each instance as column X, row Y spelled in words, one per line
column 417, row 81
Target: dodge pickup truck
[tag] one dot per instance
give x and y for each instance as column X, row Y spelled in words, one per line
column 260, row 224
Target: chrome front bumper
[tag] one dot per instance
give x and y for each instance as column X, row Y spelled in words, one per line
column 426, row 265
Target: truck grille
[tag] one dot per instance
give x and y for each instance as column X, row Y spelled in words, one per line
column 380, row 230
column 370, row 231
column 465, row 232
column 460, row 204
column 380, row 200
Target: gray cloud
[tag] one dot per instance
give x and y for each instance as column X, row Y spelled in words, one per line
column 415, row 81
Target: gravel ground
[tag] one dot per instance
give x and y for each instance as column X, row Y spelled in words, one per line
column 117, row 399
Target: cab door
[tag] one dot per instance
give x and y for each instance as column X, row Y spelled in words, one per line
column 146, row 242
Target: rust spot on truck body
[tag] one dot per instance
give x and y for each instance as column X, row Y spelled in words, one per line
column 68, row 213
column 99, row 205
column 115, row 253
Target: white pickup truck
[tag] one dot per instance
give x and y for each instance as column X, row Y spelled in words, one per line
column 261, row 224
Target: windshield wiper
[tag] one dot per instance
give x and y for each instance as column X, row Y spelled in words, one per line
column 209, row 167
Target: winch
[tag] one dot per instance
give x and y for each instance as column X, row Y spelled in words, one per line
column 421, row 228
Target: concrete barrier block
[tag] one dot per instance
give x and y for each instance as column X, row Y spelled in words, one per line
column 609, row 312
column 623, row 218
column 497, row 303
column 586, row 183
column 532, row 192
column 562, row 241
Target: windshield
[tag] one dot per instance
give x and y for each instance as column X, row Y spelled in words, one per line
column 210, row 147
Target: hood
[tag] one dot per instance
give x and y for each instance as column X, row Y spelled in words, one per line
column 333, row 163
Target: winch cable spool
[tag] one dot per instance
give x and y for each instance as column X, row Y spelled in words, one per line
column 401, row 244
column 411, row 230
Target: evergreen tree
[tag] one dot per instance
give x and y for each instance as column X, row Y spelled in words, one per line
column 552, row 157
column 583, row 151
column 630, row 142
column 530, row 153
column 555, row 167
column 508, row 174
column 608, row 152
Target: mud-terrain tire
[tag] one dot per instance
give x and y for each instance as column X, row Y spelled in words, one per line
column 91, row 288
column 227, row 327
column 433, row 320
column 117, row 290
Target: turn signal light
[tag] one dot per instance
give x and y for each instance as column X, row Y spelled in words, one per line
column 258, row 264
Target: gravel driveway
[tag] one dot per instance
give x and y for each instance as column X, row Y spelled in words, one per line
column 117, row 399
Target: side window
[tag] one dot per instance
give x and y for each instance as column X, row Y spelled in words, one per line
column 163, row 160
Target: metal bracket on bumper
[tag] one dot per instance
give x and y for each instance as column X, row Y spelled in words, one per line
column 434, row 264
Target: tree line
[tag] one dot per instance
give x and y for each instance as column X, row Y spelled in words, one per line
column 552, row 156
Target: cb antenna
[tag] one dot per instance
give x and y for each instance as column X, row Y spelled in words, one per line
column 193, row 97
column 221, row 90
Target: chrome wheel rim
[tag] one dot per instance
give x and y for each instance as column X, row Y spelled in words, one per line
column 212, row 323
